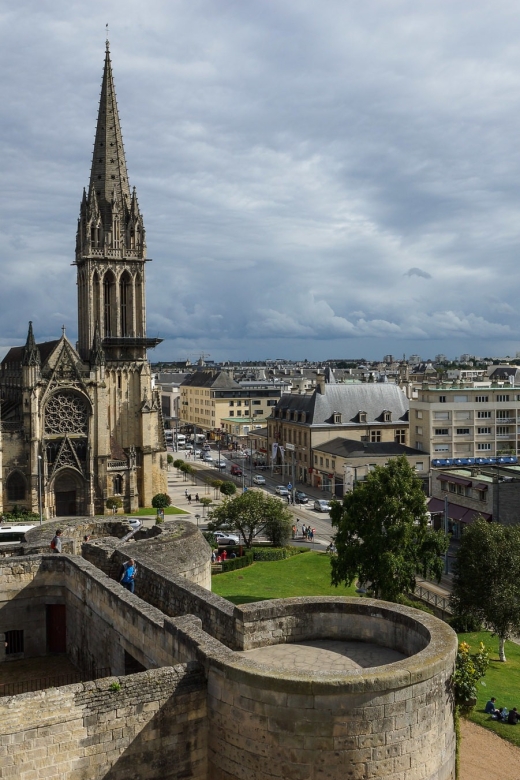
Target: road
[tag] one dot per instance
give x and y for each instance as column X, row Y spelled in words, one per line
column 304, row 514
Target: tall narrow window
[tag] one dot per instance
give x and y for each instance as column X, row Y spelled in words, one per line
column 125, row 303
column 107, row 298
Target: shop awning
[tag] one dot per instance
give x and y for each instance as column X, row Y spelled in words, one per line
column 455, row 512
column 472, row 514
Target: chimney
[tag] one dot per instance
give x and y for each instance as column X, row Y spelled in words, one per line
column 320, row 384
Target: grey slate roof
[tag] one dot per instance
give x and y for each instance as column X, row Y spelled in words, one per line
column 349, row 400
column 349, row 448
column 217, row 381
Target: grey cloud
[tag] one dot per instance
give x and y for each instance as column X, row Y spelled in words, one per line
column 291, row 165
column 418, row 272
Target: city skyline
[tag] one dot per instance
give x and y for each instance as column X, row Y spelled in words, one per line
column 313, row 182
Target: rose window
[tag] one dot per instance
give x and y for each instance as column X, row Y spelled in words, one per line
column 66, row 413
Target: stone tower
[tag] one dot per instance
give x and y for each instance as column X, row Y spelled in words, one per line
column 85, row 425
column 111, row 245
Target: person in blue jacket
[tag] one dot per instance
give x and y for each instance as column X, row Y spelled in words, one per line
column 128, row 577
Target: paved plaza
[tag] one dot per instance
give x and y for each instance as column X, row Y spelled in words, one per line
column 325, row 655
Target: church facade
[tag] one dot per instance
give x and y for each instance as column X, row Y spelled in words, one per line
column 81, row 424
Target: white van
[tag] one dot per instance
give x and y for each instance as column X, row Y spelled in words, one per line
column 181, row 441
column 10, row 534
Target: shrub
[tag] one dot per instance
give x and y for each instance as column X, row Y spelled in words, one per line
column 114, row 503
column 115, row 686
column 406, row 602
column 469, row 670
column 161, row 501
column 237, row 563
column 178, row 463
column 465, row 624
column 228, row 488
column 169, row 459
column 276, row 553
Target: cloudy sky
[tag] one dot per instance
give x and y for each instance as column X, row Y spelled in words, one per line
column 318, row 179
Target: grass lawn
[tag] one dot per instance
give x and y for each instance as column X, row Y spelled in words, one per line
column 502, row 681
column 307, row 574
column 150, row 511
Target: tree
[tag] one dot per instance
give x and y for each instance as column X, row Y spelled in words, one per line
column 383, row 536
column 486, row 582
column 205, row 501
column 249, row 514
column 228, row 488
column 161, row 501
column 178, row 463
column 216, row 484
column 114, row 503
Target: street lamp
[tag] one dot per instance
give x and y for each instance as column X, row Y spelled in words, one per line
column 40, row 509
column 197, row 518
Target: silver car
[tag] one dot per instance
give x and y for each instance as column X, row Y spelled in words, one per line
column 320, row 505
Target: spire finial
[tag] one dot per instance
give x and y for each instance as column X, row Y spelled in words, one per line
column 31, row 354
column 63, row 331
column 107, row 42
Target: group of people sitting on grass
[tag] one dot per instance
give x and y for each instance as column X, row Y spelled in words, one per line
column 502, row 713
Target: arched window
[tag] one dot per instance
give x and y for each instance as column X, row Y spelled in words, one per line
column 125, row 298
column 118, row 485
column 96, row 297
column 15, row 487
column 109, row 301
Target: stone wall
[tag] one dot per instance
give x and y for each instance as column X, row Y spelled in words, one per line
column 153, row 726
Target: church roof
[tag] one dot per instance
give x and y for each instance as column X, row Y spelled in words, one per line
column 108, row 176
column 217, row 380
column 15, row 354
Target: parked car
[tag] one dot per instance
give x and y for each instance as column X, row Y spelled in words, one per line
column 206, row 447
column 224, row 539
column 222, row 465
column 134, row 523
column 189, row 446
column 258, row 479
column 281, row 490
column 300, row 497
column 320, row 505
column 207, row 457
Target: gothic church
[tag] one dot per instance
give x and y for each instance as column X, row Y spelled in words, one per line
column 79, row 425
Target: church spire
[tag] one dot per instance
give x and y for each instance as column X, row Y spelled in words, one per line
column 108, row 173
column 31, row 354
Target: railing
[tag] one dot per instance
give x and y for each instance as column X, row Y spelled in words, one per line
column 7, row 425
column 117, row 464
column 437, row 601
column 40, row 683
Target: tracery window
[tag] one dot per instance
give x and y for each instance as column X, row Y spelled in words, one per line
column 118, row 485
column 66, row 413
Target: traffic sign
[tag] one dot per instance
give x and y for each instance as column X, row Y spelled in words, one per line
column 289, row 486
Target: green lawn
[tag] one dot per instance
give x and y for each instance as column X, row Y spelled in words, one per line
column 502, row 681
column 150, row 511
column 307, row 574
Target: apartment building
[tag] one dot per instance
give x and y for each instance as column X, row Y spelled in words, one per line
column 466, row 421
column 340, row 463
column 364, row 412
column 210, row 397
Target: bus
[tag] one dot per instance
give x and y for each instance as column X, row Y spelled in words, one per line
column 10, row 534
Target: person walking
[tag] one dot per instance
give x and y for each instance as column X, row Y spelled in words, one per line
column 56, row 541
column 128, row 577
column 197, row 497
column 189, row 499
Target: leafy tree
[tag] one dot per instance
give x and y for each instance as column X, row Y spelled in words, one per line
column 216, row 484
column 383, row 536
column 486, row 582
column 250, row 513
column 228, row 488
column 161, row 501
column 178, row 463
column 114, row 503
column 205, row 501
column 169, row 459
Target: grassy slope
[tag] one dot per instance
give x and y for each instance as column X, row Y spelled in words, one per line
column 307, row 574
column 502, row 681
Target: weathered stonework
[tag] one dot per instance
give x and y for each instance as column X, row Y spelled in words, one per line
column 248, row 719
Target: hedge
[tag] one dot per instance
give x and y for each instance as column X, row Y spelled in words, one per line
column 276, row 553
column 236, row 563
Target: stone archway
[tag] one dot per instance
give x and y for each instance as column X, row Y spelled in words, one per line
column 70, row 494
